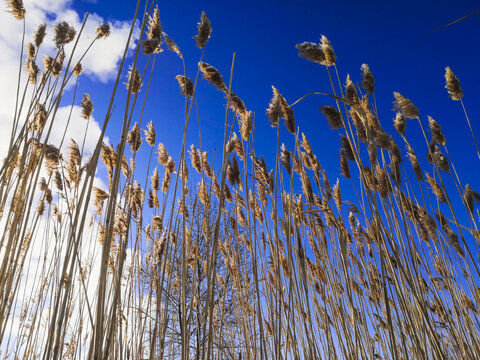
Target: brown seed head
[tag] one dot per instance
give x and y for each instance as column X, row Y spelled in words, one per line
column 154, row 27
column 134, row 79
column 162, row 154
column 368, row 80
column 279, row 106
column 48, row 63
column 31, row 51
column 16, row 8
column 74, row 160
column 134, row 139
column 285, row 159
column 347, row 148
column 203, row 194
column 436, row 156
column 64, row 34
column 77, row 69
column 172, row 45
column 334, row 118
column 195, row 159
column 98, row 200
column 468, row 197
column 103, row 31
column 39, row 34
column 405, row 105
column 206, row 166
column 58, row 180
column 204, row 30
column 436, row 130
column 185, row 84
column 236, row 104
column 233, row 171
column 155, row 180
column 327, row 48
column 351, row 91
column 453, row 85
column 436, row 189
column 48, row 196
column 151, row 46
column 311, row 51
column 40, row 117
column 166, row 182
column 246, row 125
column 150, row 134
column 213, row 76
column 400, row 123
column 32, row 70
column 170, row 166
column 87, row 106
column 274, row 111
column 344, row 165
column 40, row 207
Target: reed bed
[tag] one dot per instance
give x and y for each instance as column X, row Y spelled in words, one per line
column 234, row 256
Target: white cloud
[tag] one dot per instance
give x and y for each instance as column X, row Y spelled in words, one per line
column 100, row 63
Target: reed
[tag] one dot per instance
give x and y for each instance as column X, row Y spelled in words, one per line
column 233, row 255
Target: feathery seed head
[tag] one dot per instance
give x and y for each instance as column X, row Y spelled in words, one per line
column 453, row 85
column 134, row 139
column 347, row 148
column 134, row 79
column 40, row 117
column 155, row 180
column 150, row 134
column 436, row 131
column 415, row 164
column 468, row 197
column 327, row 48
column 195, row 158
column 368, row 82
column 344, row 167
column 285, row 159
column 39, row 34
column 77, row 69
column 185, row 84
column 405, row 105
column 154, row 27
column 103, row 31
column 172, row 45
column 400, row 123
column 204, row 30
column 334, row 118
column 87, row 106
column 170, row 166
column 436, row 189
column 16, row 8
column 31, row 51
column 279, row 108
column 246, row 125
column 162, row 154
column 32, row 70
column 274, row 111
column 63, row 34
column 311, row 51
column 151, row 46
column 436, row 156
column 351, row 91
column 213, row 76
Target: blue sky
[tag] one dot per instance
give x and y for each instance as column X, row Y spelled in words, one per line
column 389, row 37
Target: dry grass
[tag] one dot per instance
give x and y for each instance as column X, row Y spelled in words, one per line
column 243, row 258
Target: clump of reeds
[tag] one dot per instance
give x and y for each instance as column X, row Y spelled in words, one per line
column 245, row 257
